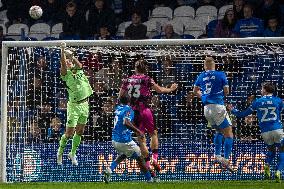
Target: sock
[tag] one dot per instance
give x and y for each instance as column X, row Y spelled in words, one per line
column 269, row 157
column 155, row 155
column 148, row 175
column 281, row 161
column 75, row 143
column 62, row 144
column 147, row 162
column 113, row 165
column 218, row 140
column 228, row 145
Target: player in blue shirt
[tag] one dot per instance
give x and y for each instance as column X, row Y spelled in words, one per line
column 268, row 109
column 122, row 139
column 211, row 86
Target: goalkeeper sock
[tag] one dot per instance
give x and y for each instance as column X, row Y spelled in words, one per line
column 75, row 143
column 147, row 162
column 228, row 145
column 281, row 161
column 113, row 165
column 155, row 155
column 218, row 140
column 62, row 144
column 269, row 157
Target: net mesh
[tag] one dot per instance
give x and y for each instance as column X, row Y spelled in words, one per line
column 37, row 110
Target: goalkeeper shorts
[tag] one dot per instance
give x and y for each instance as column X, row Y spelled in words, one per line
column 77, row 113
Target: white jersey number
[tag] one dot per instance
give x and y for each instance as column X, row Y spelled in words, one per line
column 115, row 120
column 134, row 90
column 208, row 87
column 269, row 111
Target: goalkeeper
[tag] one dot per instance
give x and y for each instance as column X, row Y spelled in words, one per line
column 79, row 90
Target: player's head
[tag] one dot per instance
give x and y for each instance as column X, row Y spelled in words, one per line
column 141, row 66
column 124, row 99
column 267, row 88
column 209, row 63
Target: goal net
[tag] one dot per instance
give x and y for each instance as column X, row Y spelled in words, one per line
column 33, row 107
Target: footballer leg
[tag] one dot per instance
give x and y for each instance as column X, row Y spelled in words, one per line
column 228, row 144
column 270, row 155
column 107, row 172
column 281, row 162
column 154, row 146
column 76, row 140
column 144, row 169
column 63, row 142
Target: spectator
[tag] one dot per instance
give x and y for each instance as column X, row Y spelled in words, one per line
column 165, row 3
column 136, row 30
column 73, row 23
column 206, row 2
column 51, row 12
column 249, row 26
column 55, row 130
column 104, row 34
column 169, row 32
column 225, row 26
column 35, row 134
column 99, row 16
column 131, row 6
column 273, row 29
column 238, row 7
column 17, row 11
column 269, row 8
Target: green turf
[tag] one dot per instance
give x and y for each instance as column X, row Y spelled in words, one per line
column 162, row 185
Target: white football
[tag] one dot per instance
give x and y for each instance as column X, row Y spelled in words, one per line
column 35, row 12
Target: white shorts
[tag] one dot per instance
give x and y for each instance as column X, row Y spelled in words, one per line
column 273, row 137
column 127, row 149
column 216, row 114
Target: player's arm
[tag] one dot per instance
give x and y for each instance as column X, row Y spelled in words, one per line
column 77, row 63
column 130, row 126
column 63, row 67
column 121, row 93
column 197, row 91
column 244, row 113
column 160, row 89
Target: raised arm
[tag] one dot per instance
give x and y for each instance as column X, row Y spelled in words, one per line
column 160, row 89
column 63, row 67
column 244, row 113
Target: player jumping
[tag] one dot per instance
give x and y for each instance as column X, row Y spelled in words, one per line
column 268, row 109
column 122, row 140
column 79, row 90
column 138, row 87
column 211, row 86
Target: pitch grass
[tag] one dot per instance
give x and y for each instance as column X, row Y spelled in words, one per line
column 142, row 185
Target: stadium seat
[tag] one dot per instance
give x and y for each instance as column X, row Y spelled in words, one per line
column 184, row 20
column 211, row 27
column 186, row 36
column 56, row 30
column 16, row 29
column 194, row 28
column 50, row 39
column 206, row 10
column 162, row 20
column 9, row 39
column 162, row 12
column 205, row 20
column 39, row 31
column 222, row 11
column 3, row 17
column 31, row 39
column 184, row 11
column 153, row 28
column 121, row 28
column 4, row 29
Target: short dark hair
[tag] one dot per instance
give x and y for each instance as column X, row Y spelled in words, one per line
column 124, row 99
column 141, row 66
column 268, row 87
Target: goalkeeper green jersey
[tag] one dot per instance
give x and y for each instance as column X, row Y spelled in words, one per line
column 78, row 85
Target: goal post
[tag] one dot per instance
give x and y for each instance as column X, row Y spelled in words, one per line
column 28, row 93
